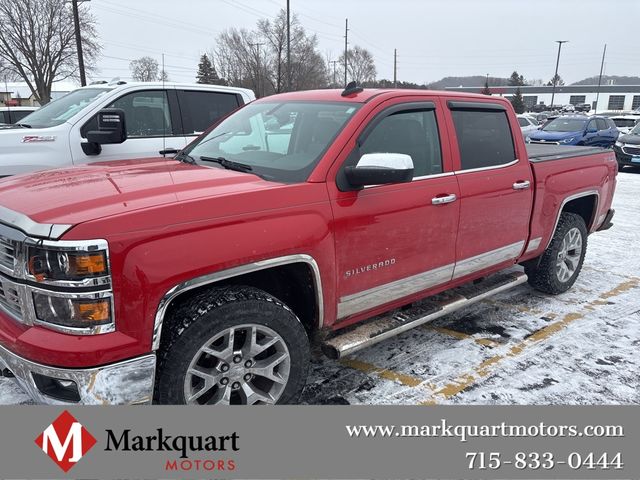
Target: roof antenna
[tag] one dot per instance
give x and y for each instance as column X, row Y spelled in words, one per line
column 351, row 89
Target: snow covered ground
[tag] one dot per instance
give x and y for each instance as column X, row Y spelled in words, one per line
column 520, row 347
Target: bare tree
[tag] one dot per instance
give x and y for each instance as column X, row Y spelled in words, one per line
column 145, row 69
column 360, row 65
column 37, row 42
column 257, row 58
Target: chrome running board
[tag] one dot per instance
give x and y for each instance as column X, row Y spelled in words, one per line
column 398, row 321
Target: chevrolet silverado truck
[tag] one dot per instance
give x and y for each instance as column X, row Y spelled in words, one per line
column 319, row 218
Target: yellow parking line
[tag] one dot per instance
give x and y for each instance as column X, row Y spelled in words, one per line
column 466, row 380
column 369, row 368
column 485, row 342
column 520, row 308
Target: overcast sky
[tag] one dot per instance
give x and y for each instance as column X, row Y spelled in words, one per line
column 434, row 38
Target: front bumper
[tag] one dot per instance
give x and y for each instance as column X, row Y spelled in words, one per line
column 122, row 383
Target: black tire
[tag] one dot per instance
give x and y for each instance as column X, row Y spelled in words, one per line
column 543, row 275
column 211, row 312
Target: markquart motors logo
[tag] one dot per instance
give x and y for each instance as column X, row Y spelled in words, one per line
column 66, row 441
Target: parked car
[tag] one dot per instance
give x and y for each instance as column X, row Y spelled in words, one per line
column 592, row 131
column 202, row 279
column 569, row 108
column 158, row 116
column 627, row 148
column 583, row 107
column 625, row 123
column 11, row 115
column 527, row 125
column 540, row 107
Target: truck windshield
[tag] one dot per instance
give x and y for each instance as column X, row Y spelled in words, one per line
column 566, row 125
column 636, row 129
column 279, row 141
column 60, row 110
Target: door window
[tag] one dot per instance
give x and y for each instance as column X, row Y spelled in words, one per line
column 602, row 124
column 484, row 138
column 413, row 133
column 200, row 109
column 146, row 113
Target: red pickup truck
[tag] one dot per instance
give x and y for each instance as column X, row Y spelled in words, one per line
column 341, row 218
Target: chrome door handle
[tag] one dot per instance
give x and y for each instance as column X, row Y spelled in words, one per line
column 442, row 200
column 522, row 185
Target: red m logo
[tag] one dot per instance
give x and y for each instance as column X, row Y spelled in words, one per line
column 66, row 441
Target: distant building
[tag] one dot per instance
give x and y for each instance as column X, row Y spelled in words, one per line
column 18, row 94
column 612, row 97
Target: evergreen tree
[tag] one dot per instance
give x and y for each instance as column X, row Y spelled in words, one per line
column 518, row 102
column 207, row 72
column 516, row 80
column 559, row 81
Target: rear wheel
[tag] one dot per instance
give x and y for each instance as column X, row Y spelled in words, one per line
column 561, row 262
column 235, row 345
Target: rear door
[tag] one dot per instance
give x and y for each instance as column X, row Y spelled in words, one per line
column 393, row 241
column 495, row 183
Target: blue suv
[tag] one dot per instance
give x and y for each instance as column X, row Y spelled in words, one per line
column 577, row 130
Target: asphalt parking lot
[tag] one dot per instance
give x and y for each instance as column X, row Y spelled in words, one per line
column 519, row 347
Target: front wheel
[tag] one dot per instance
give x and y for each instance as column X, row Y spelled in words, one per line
column 561, row 262
column 232, row 346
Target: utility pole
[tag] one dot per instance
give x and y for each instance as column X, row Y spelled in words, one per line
column 604, row 52
column 76, row 22
column 258, row 76
column 288, row 47
column 395, row 68
column 555, row 75
column 346, row 43
column 334, row 70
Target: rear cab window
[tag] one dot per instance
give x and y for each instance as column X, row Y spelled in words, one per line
column 483, row 133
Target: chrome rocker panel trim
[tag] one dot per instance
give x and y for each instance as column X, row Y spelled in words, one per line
column 236, row 272
column 123, row 383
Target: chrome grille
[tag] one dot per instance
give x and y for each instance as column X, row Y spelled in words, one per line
column 8, row 253
column 10, row 298
column 635, row 150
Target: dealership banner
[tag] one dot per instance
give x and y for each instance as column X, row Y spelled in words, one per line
column 312, row 442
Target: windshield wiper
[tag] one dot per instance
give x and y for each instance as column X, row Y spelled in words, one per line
column 228, row 164
column 185, row 158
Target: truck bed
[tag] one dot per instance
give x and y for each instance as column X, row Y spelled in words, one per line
column 545, row 153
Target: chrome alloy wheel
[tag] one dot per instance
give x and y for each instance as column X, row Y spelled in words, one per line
column 569, row 255
column 242, row 365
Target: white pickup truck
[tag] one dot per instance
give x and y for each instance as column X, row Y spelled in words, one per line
column 159, row 116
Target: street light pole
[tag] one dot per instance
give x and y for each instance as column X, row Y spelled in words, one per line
column 555, row 75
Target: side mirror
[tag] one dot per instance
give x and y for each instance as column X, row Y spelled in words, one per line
column 112, row 129
column 380, row 169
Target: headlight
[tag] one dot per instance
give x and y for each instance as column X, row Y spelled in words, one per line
column 568, row 140
column 62, row 264
column 619, row 144
column 72, row 311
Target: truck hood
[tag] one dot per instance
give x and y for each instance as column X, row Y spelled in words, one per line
column 78, row 194
column 553, row 136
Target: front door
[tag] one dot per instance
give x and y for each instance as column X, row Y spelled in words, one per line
column 150, row 128
column 394, row 241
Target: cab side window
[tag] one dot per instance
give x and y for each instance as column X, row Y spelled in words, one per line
column 413, row 133
column 602, row 124
column 484, row 138
column 146, row 113
column 202, row 109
